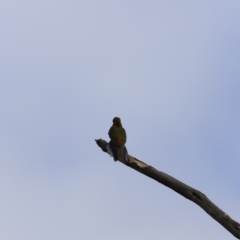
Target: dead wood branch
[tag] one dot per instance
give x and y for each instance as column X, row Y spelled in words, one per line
column 186, row 191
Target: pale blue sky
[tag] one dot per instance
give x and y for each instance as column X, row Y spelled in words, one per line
column 169, row 69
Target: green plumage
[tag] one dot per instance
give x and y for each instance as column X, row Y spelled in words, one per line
column 116, row 132
column 118, row 138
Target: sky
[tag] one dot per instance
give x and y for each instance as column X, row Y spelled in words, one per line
column 169, row 69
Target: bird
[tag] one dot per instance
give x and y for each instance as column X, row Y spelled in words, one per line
column 116, row 147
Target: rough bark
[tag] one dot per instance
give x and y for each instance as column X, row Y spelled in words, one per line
column 186, row 191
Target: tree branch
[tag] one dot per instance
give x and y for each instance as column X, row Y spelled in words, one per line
column 186, row 191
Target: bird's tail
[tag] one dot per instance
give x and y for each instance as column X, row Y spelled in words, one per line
column 118, row 153
column 122, row 154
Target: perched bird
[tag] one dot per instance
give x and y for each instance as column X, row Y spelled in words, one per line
column 116, row 147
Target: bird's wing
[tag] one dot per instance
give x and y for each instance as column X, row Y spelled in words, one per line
column 117, row 135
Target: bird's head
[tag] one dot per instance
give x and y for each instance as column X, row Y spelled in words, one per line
column 117, row 121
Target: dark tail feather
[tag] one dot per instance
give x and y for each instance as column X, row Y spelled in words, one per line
column 113, row 151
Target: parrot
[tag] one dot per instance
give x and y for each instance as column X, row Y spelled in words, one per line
column 116, row 147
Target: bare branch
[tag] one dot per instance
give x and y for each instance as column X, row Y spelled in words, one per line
column 186, row 191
